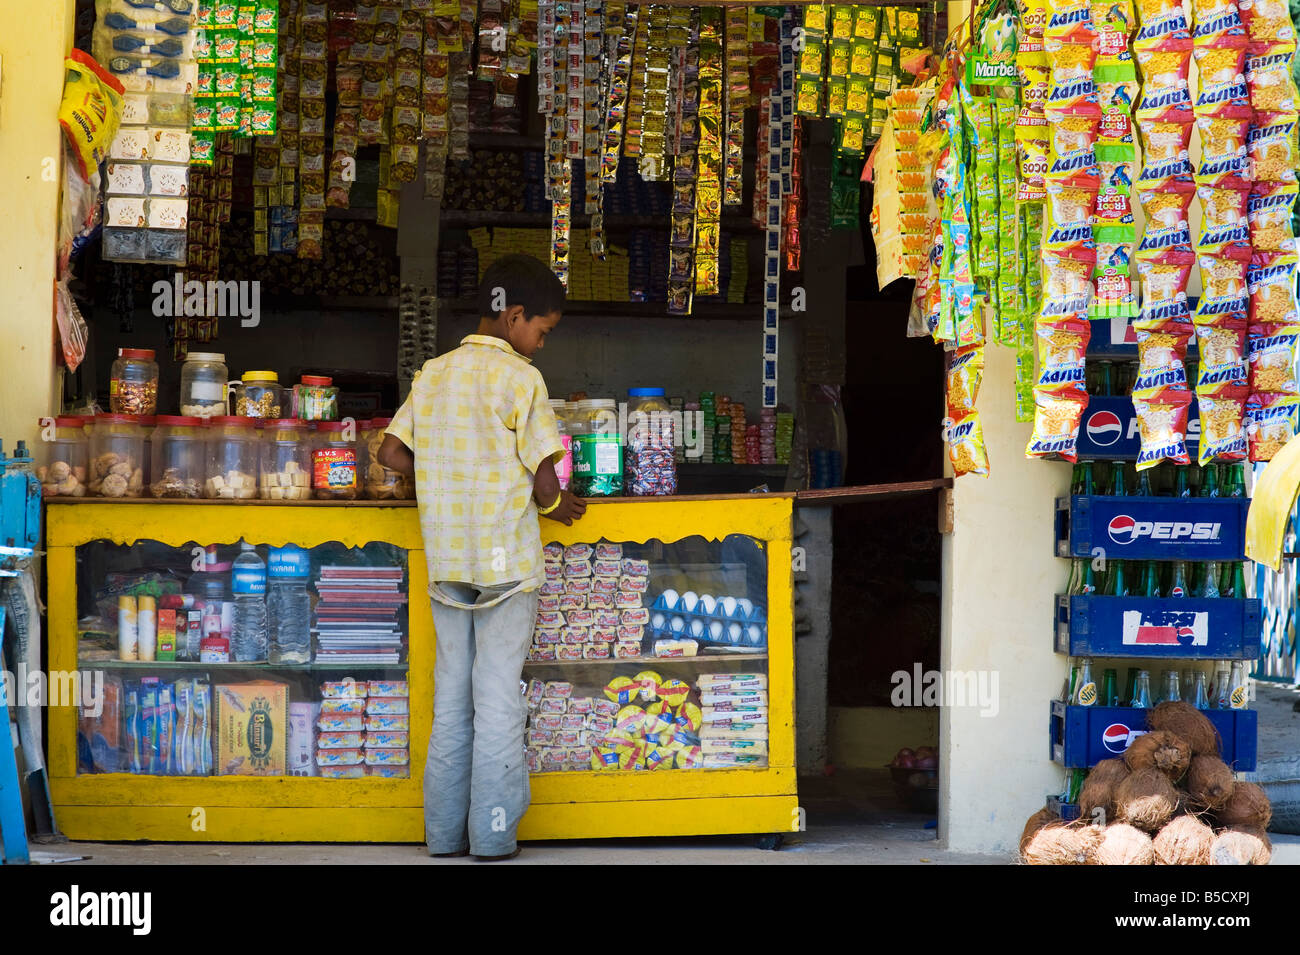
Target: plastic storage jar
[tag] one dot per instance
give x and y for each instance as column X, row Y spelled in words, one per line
column 133, row 385
column 231, row 470
column 258, row 395
column 65, row 475
column 597, row 450
column 563, row 467
column 316, row 399
column 382, row 484
column 334, row 474
column 176, row 457
column 649, row 468
column 203, row 384
column 116, row 466
column 285, row 471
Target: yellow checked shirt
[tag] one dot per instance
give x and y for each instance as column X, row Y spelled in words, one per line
column 478, row 423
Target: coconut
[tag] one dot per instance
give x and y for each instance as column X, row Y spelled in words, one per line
column 1241, row 845
column 1160, row 750
column 1184, row 841
column 1098, row 790
column 1059, row 844
column 1209, row 782
column 1247, row 806
column 1121, row 844
column 1035, row 822
column 1187, row 723
column 1146, row 799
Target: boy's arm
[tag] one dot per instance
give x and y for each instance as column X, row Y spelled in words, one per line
column 397, row 451
column 546, row 490
column 396, row 456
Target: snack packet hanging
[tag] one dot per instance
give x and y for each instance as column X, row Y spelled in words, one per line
column 1069, row 21
column 1268, row 212
column 1270, row 83
column 1062, row 344
column 1220, row 86
column 1224, row 160
column 1025, row 374
column 1035, row 81
column 1115, row 132
column 1270, row 283
column 1072, row 90
column 1271, row 353
column 1057, row 413
column 965, row 370
column 1069, row 207
column 1165, row 96
column 1163, row 26
column 1067, row 280
column 1162, row 349
column 966, row 450
column 1223, row 289
column 1227, row 240
column 1217, row 23
column 1271, row 146
column 1268, row 22
column 1223, row 428
column 1031, row 154
column 1168, row 236
column 1221, row 350
column 90, row 110
column 1270, row 423
column 1113, row 281
column 1162, row 427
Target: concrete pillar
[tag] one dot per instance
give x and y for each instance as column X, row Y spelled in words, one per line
column 813, row 529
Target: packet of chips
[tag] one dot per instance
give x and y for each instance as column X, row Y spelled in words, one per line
column 1223, row 289
column 966, row 450
column 1268, row 211
column 1217, row 23
column 1057, row 413
column 1163, row 26
column 1031, row 153
column 1069, row 21
column 1220, row 88
column 1067, row 280
column 1164, row 289
column 1115, row 132
column 985, row 232
column 1221, row 348
column 965, row 370
column 1271, row 146
column 1025, row 374
column 1162, row 427
column 1224, row 161
column 1268, row 22
column 1062, row 344
column 1114, row 22
column 1069, row 207
column 1165, row 96
column 1270, row 283
column 1035, row 81
column 1113, row 280
column 1224, row 240
column 1114, row 199
column 1270, row 353
column 1072, row 90
column 1269, row 81
column 1223, row 430
column 1168, row 236
column 1270, row 423
column 1162, row 349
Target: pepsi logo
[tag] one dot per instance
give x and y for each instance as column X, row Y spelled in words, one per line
column 1104, row 428
column 1116, row 737
column 1121, row 529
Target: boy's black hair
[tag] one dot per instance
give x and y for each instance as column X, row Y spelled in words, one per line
column 524, row 281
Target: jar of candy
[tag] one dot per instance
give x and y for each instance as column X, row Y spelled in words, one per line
column 116, row 467
column 285, row 470
column 315, row 399
column 563, row 467
column 649, row 468
column 382, row 484
column 65, row 475
column 597, row 450
column 258, row 395
column 203, row 384
column 232, row 446
column 334, row 474
column 177, row 457
column 133, row 384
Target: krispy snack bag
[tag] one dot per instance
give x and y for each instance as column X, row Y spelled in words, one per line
column 1270, row 423
column 1057, row 413
column 965, row 437
column 1162, row 425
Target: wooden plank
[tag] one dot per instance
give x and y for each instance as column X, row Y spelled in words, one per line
column 867, row 492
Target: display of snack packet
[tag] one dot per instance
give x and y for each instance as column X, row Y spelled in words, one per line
column 1267, row 22
column 1067, row 279
column 1168, row 235
column 1162, row 26
column 1031, row 153
column 1164, row 290
column 1268, row 209
column 1270, row 353
column 1221, row 349
column 1011, row 309
column 965, row 370
column 1162, row 349
column 1115, row 131
column 1068, row 206
column 1271, row 146
column 985, row 232
column 1223, row 289
column 1162, row 427
column 1025, row 373
column 1166, row 96
column 1223, row 428
column 1270, row 283
column 1217, row 23
column 1113, row 295
column 966, row 450
column 1270, row 423
column 1069, row 21
column 1221, row 89
column 1270, row 84
column 1057, row 413
column 1071, row 90
column 1062, row 344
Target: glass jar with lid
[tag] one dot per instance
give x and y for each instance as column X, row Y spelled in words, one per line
column 133, row 384
column 285, row 470
column 65, row 475
column 232, row 459
column 649, row 466
column 116, row 467
column 258, row 395
column 382, row 484
column 334, row 475
column 204, row 379
column 176, row 457
column 597, row 449
column 316, row 399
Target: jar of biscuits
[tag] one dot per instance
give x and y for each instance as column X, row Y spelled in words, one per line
column 65, row 475
column 177, row 457
column 382, row 484
column 285, row 470
column 259, row 395
column 116, row 467
column 232, row 459
column 334, row 464
column 133, row 385
column 203, row 384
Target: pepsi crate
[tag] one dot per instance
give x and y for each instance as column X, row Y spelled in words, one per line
column 1167, row 628
column 1152, row 528
column 1109, row 431
column 1065, row 811
column 1082, row 736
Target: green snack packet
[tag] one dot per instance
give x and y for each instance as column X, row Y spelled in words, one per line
column 853, row 134
column 814, row 18
column 858, row 95
column 810, row 58
column 203, row 147
column 986, row 190
column 808, row 96
column 841, row 57
column 837, row 96
column 841, row 22
column 1025, row 373
column 1008, row 224
column 866, row 23
column 906, row 25
column 861, row 57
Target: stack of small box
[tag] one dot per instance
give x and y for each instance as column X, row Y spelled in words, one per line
column 562, row 727
column 784, row 436
column 722, row 431
column 736, row 410
column 591, row 605
column 364, row 729
column 733, row 715
column 767, row 436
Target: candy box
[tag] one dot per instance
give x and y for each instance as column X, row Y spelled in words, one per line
column 388, row 688
column 388, row 706
column 252, row 728
column 387, row 757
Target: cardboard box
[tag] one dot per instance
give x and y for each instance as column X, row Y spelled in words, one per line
column 302, row 726
column 252, row 728
column 166, row 635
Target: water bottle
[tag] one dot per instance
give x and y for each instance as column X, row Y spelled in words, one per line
column 248, row 584
column 288, row 605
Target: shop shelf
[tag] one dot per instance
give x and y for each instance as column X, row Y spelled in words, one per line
column 1082, row 736
column 173, row 665
column 1187, row 628
column 709, row 658
column 1110, row 430
column 1152, row 528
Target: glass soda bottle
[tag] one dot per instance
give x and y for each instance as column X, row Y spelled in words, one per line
column 1109, row 690
column 1143, row 488
column 1210, row 585
column 1210, row 480
column 1178, row 581
column 1200, row 699
column 1116, row 582
column 1086, row 691
column 1083, row 479
column 1151, row 580
column 1180, row 482
column 1237, row 696
column 1118, row 479
column 1219, row 698
column 1142, row 693
column 1236, row 481
column 248, row 585
column 1171, row 694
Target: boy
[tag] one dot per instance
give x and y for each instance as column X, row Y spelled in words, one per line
column 478, row 436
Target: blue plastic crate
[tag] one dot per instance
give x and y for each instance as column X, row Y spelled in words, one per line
column 1065, row 811
column 677, row 608
column 1167, row 628
column 1152, row 528
column 1109, row 431
column 1082, row 736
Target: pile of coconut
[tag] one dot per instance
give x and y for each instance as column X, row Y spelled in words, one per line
column 1170, row 800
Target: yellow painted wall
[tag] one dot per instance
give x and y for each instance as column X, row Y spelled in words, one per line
column 34, row 39
column 869, row 736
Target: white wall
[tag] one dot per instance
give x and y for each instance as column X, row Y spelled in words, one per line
column 999, row 578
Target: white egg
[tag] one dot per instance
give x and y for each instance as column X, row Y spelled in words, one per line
column 677, row 625
column 689, row 600
column 657, row 621
column 755, row 634
column 715, row 629
column 708, row 603
column 670, row 599
column 697, row 627
column 729, row 606
column 747, row 605
column 733, row 632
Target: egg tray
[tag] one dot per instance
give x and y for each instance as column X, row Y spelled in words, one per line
column 757, row 617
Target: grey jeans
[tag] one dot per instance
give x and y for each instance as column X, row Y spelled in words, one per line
column 475, row 781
